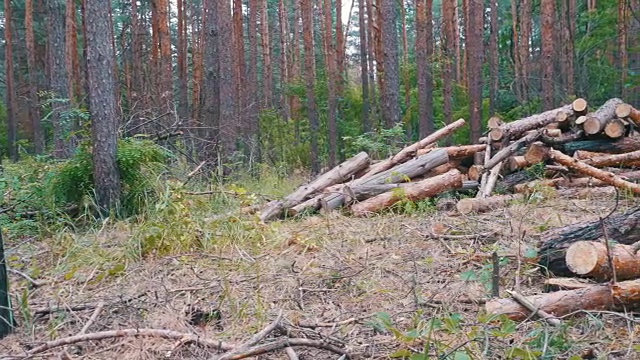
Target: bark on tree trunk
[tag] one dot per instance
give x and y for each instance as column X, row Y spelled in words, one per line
column 34, row 105
column 390, row 91
column 474, row 43
column 364, row 69
column 424, row 53
column 623, row 228
column 330, row 59
column 547, row 17
column 12, row 120
column 413, row 192
column 310, row 74
column 448, row 50
column 102, row 104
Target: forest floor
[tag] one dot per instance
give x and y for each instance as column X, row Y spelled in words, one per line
column 378, row 287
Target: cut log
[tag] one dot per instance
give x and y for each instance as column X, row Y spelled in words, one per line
column 413, row 192
column 554, row 284
column 518, row 162
column 596, row 121
column 478, row 205
column 554, row 133
column 623, row 145
column 627, row 111
column 475, row 172
column 623, row 228
column 446, row 204
column 494, row 122
column 581, row 120
column 591, row 259
column 588, row 193
column 515, row 129
column 585, row 155
column 622, row 295
column 616, row 128
column 492, row 179
column 410, row 151
column 629, row 159
column 399, row 174
column 464, row 151
column 483, row 174
column 589, row 170
column 536, row 153
column 508, row 182
column 511, row 149
column 338, row 174
column 579, row 106
column 562, row 139
column 563, row 120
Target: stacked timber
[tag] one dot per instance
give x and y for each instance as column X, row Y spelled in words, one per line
column 575, row 148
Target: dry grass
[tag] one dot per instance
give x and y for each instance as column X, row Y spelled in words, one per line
column 320, row 269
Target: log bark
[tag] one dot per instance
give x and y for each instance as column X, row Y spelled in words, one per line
column 615, row 128
column 627, row 111
column 457, row 152
column 623, row 160
column 339, row 174
column 487, row 188
column 398, row 174
column 589, row 170
column 563, row 120
column 536, row 153
column 623, row 228
column 478, row 205
column 591, row 259
column 410, row 151
column 624, row 145
column 596, row 121
column 555, row 284
column 622, row 295
column 516, row 128
column 561, row 140
column 413, row 192
column 511, row 149
column 518, row 162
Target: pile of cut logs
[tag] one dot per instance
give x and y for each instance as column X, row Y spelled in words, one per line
column 581, row 152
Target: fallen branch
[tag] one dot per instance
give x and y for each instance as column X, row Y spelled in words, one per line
column 541, row 313
column 254, row 339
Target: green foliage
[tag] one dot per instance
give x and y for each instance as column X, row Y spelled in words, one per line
column 379, row 144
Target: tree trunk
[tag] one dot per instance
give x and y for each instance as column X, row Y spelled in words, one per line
column 198, row 34
column 569, row 56
column 515, row 129
column 337, row 175
column 340, row 47
column 390, row 91
column 102, row 104
column 474, row 43
column 12, row 119
column 58, row 78
column 623, row 57
column 547, row 18
column 34, row 105
column 526, row 9
column 622, row 295
column 424, row 53
column 267, row 71
column 623, row 228
column 253, row 99
column 284, row 58
column 413, row 192
column 210, row 112
column 448, row 51
column 597, row 120
column 478, row 205
column 494, row 56
column 409, row 151
column 310, row 74
column 364, row 69
column 183, row 79
column 330, row 59
column 373, row 61
column 228, row 119
column 71, row 53
column 591, row 259
column 165, row 75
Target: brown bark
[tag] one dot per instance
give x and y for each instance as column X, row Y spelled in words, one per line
column 555, row 284
column 424, row 53
column 547, row 17
column 597, row 120
column 330, row 59
column 493, row 55
column 448, row 58
column 390, row 90
column 34, row 106
column 12, row 119
column 364, row 67
column 165, row 87
column 525, row 22
column 102, row 104
column 210, row 94
column 474, row 46
column 198, row 35
column 310, row 74
column 71, row 53
column 371, row 56
column 536, row 152
column 620, row 160
column 591, row 259
column 183, row 80
column 516, row 128
column 405, row 59
column 58, row 79
column 413, row 192
column 284, row 57
column 475, row 172
column 340, row 47
column 267, row 78
column 623, row 55
column 588, row 170
column 518, row 162
column 253, row 99
column 337, row 175
column 569, row 54
column 228, row 120
column 622, row 295
column 479, row 205
column 409, row 151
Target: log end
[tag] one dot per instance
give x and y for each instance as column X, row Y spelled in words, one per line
column 494, row 122
column 465, row 206
column 579, row 105
column 496, row 134
column 581, row 120
column 592, row 125
column 582, row 257
column 615, row 128
column 623, row 110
